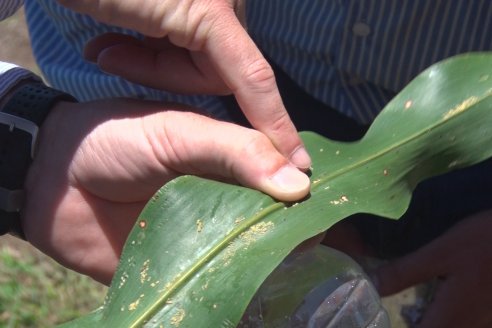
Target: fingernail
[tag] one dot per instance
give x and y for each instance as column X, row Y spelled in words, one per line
column 293, row 183
column 301, row 158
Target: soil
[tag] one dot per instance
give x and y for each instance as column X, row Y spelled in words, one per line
column 14, row 40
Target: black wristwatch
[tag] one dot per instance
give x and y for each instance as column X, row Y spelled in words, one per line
column 20, row 119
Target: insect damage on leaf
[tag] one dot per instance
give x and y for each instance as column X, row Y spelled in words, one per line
column 144, row 271
column 199, row 225
column 461, row 107
column 133, row 306
column 142, row 224
column 245, row 239
column 178, row 317
column 343, row 199
column 124, row 277
column 250, row 235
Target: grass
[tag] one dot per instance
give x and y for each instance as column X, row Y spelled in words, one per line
column 35, row 291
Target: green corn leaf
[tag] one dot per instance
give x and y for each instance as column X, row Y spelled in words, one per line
column 201, row 248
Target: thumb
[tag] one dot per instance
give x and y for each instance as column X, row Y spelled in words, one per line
column 195, row 144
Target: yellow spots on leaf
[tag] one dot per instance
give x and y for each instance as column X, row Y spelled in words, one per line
column 229, row 253
column 178, row 317
column 246, row 238
column 337, row 152
column 462, row 107
column 385, row 172
column 123, row 279
column 142, row 224
column 199, row 225
column 156, row 196
column 239, row 220
column 250, row 235
column 144, row 271
column 453, row 164
column 166, row 287
column 321, row 150
column 133, row 306
column 408, row 104
column 154, row 284
column 171, row 283
column 341, row 200
column 316, row 181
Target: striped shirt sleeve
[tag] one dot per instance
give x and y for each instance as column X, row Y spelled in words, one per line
column 11, row 75
column 9, row 7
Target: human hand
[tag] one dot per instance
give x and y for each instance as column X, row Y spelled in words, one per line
column 96, row 167
column 462, row 260
column 205, row 47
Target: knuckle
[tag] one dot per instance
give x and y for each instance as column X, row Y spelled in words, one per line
column 280, row 121
column 188, row 24
column 257, row 144
column 259, row 76
column 258, row 148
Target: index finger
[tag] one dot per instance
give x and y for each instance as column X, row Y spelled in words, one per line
column 247, row 73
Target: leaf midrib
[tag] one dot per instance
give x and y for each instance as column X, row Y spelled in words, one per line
column 408, row 140
column 246, row 224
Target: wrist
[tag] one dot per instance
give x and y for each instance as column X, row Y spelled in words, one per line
column 13, row 89
column 20, row 117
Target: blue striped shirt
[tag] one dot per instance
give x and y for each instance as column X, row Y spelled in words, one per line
column 353, row 55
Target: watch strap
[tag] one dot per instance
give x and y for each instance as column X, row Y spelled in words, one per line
column 33, row 102
column 20, row 119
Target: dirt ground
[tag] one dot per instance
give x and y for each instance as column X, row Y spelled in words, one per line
column 15, row 48
column 14, row 42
